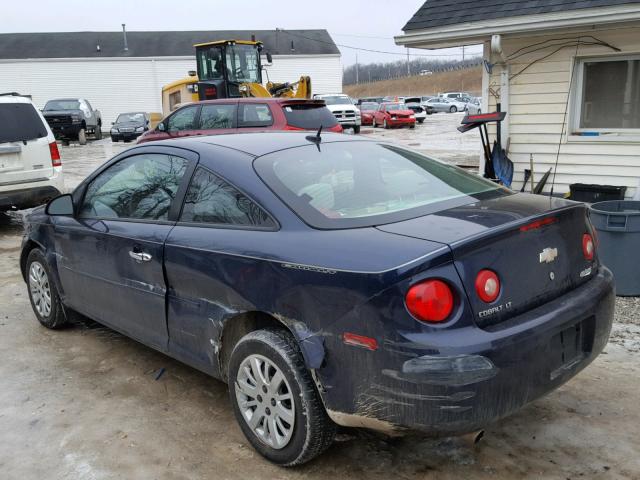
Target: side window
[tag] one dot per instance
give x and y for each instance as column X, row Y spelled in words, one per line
column 215, row 116
column 183, row 119
column 174, row 99
column 138, row 187
column 254, row 115
column 210, row 199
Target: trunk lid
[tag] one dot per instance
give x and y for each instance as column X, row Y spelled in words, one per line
column 533, row 244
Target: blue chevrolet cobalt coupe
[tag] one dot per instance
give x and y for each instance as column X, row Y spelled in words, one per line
column 329, row 280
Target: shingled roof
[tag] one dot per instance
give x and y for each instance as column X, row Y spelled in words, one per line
column 438, row 13
column 156, row 44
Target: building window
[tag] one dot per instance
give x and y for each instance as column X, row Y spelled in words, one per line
column 608, row 95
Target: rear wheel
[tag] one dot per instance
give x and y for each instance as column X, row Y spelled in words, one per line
column 42, row 292
column 275, row 400
column 82, row 137
column 98, row 132
column 412, row 126
column 453, row 109
column 420, row 120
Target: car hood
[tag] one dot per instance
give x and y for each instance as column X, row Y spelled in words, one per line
column 474, row 218
column 52, row 113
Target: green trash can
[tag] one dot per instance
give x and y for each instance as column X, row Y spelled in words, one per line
column 618, row 225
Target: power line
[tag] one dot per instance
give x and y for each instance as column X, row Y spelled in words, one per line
column 365, row 49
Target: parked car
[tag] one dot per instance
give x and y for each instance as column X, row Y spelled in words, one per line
column 394, row 115
column 129, row 126
column 425, row 73
column 473, row 106
column 211, row 117
column 419, row 112
column 342, row 107
column 369, row 100
column 367, row 110
column 256, row 258
column 441, row 104
column 30, row 164
column 455, row 95
column 73, row 119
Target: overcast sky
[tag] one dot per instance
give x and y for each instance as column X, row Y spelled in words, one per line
column 369, row 24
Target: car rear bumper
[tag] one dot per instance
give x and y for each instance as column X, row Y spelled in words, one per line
column 458, row 381
column 27, row 197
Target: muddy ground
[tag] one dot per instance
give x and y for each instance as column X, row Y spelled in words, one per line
column 88, row 403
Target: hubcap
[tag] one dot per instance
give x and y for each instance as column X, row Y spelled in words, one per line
column 40, row 289
column 265, row 400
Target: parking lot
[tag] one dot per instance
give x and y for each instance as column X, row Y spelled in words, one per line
column 88, row 403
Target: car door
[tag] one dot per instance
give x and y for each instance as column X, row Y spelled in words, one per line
column 378, row 115
column 207, row 280
column 110, row 254
column 217, row 118
column 183, row 122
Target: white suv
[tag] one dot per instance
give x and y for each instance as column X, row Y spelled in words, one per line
column 30, row 164
column 342, row 107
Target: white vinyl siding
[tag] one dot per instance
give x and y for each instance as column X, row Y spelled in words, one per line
column 536, row 106
column 114, row 86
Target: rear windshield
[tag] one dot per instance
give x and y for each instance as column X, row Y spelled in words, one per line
column 359, row 184
column 20, row 121
column 309, row 116
column 369, row 106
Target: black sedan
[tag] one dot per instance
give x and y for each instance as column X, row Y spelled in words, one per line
column 330, row 280
column 129, row 126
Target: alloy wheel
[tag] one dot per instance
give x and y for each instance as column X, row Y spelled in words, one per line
column 265, row 400
column 40, row 289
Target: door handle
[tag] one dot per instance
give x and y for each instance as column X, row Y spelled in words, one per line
column 140, row 256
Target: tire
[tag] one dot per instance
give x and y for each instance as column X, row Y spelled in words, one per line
column 385, row 125
column 412, row 126
column 82, row 137
column 41, row 288
column 373, row 123
column 420, row 120
column 114, row 139
column 310, row 431
column 453, row 109
column 429, row 112
column 98, row 132
column 356, row 129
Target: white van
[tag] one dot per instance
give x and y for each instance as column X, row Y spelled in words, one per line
column 30, row 164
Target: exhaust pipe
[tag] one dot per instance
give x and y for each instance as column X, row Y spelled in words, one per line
column 473, row 438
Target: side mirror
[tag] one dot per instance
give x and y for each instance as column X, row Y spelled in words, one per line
column 269, row 57
column 60, row 206
column 161, row 127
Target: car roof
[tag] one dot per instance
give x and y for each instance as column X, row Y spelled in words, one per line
column 287, row 100
column 259, row 143
column 14, row 99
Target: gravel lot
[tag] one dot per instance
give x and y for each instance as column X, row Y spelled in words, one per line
column 84, row 403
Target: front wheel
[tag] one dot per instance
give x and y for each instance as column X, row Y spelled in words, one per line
column 356, row 129
column 42, row 292
column 453, row 109
column 98, row 132
column 275, row 400
column 412, row 126
column 385, row 125
column 420, row 120
column 82, row 137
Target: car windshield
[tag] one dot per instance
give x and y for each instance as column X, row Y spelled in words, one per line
column 357, row 184
column 336, row 100
column 130, row 117
column 62, row 105
column 369, row 106
column 394, row 106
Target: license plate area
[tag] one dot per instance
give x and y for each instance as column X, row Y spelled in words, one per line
column 567, row 349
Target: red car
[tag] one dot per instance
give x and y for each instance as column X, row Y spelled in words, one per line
column 367, row 110
column 394, row 115
column 234, row 115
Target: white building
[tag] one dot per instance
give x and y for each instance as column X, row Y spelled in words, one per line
column 96, row 65
column 567, row 73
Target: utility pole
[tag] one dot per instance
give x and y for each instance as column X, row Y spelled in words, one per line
column 408, row 64
column 463, row 54
column 357, row 73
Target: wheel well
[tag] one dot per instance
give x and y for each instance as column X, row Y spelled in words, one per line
column 26, row 250
column 237, row 327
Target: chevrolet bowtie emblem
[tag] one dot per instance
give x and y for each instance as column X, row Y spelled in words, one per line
column 548, row 255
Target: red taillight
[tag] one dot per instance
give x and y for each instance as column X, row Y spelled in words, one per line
column 211, row 92
column 487, row 286
column 430, row 301
column 56, row 161
column 291, row 127
column 538, row 224
column 588, row 247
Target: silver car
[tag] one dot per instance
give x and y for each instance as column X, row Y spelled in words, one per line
column 450, row 105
